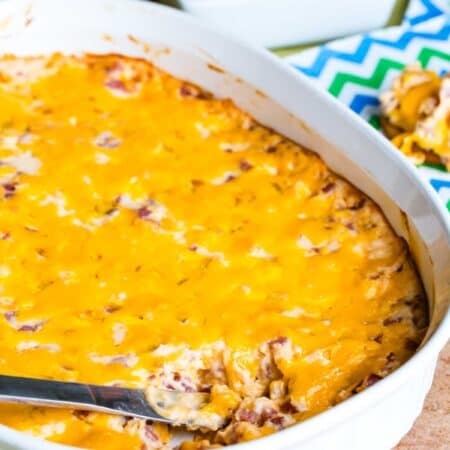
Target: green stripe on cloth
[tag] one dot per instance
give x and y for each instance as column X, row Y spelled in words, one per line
column 375, row 122
column 439, row 167
column 427, row 54
column 374, row 81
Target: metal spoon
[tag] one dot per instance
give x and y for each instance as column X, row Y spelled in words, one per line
column 90, row 397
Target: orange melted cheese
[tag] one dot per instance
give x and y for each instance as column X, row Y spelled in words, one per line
column 141, row 217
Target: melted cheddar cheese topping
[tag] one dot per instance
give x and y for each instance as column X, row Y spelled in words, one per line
column 152, row 235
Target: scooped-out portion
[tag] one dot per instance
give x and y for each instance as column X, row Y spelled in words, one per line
column 154, row 236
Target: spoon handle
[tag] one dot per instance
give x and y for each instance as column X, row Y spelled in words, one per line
column 88, row 397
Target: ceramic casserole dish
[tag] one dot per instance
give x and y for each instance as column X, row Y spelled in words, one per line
column 284, row 100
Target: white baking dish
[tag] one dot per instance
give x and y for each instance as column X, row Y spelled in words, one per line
column 285, row 100
column 276, row 23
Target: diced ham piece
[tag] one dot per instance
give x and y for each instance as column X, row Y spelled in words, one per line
column 116, row 86
column 9, row 190
column 30, row 326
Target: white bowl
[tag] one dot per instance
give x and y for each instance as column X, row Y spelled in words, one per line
column 276, row 23
column 283, row 99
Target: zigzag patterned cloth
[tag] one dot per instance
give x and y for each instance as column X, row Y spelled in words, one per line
column 357, row 69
